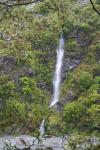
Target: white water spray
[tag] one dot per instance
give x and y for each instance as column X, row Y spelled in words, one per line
column 57, row 76
column 42, row 128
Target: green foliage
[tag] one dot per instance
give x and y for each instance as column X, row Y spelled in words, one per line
column 24, row 96
column 83, row 114
column 47, row 6
column 78, row 141
column 31, row 92
column 7, row 87
column 98, row 1
column 74, row 140
column 73, row 114
column 39, row 112
column 94, row 112
column 71, row 43
column 53, row 124
column 84, row 81
column 85, row 26
column 15, row 110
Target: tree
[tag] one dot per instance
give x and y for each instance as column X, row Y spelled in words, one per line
column 13, row 3
column 95, row 9
column 84, row 81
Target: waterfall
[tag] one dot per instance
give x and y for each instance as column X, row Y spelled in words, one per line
column 56, row 80
column 42, row 128
column 57, row 75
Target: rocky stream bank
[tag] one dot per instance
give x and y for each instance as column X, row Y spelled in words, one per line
column 26, row 142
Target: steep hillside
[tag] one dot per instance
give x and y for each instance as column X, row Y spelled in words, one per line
column 28, row 44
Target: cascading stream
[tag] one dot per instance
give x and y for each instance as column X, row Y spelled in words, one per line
column 57, row 79
column 42, row 128
column 57, row 76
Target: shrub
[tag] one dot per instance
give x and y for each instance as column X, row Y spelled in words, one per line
column 73, row 114
column 94, row 113
column 84, row 81
column 15, row 111
column 78, row 141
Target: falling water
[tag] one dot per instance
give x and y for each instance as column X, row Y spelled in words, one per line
column 56, row 80
column 57, row 76
column 42, row 128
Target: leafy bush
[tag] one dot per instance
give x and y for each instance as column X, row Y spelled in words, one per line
column 78, row 141
column 15, row 111
column 73, row 114
column 84, row 81
column 7, row 87
column 94, row 113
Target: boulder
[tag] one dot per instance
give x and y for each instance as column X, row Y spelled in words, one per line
column 25, row 142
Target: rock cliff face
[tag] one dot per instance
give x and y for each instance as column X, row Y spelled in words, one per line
column 8, row 66
column 72, row 58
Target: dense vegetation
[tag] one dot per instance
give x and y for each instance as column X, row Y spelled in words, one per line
column 28, row 42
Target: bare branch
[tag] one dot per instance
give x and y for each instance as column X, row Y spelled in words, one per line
column 94, row 8
column 20, row 4
column 5, row 4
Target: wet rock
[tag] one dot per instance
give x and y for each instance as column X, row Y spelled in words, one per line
column 69, row 97
column 7, row 64
column 25, row 142
column 54, row 143
column 30, row 72
column 59, row 107
column 22, row 142
column 74, row 56
column 42, row 85
column 70, row 62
